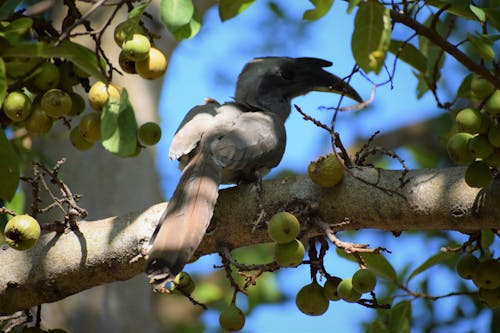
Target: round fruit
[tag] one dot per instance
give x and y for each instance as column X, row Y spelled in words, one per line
column 38, row 122
column 486, row 123
column 469, row 120
column 327, row 171
column 17, row 106
column 330, row 288
column 77, row 104
column 99, row 94
column 127, row 65
column 347, row 292
column 487, row 274
column 494, row 159
column 120, row 32
column 490, row 297
column 90, row 127
column 47, row 77
column 289, row 254
column 56, row 103
column 184, row 283
column 283, row 227
column 153, row 66
column 232, row 318
column 311, row 300
column 467, row 266
column 493, row 104
column 364, row 281
column 480, row 147
column 149, row 133
column 22, row 232
column 478, row 174
column 78, row 141
column 137, row 48
column 458, row 148
column 494, row 135
column 480, row 87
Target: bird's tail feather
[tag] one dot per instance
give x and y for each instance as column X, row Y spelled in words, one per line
column 186, row 219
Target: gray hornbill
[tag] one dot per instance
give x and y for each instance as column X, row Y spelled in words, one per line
column 235, row 142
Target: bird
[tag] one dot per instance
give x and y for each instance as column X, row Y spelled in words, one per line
column 236, row 142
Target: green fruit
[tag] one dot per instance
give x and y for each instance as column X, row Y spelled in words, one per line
column 120, row 33
column 17, row 106
column 127, row 65
column 289, row 254
column 480, row 87
column 48, row 77
column 311, row 300
column 347, row 292
column 469, row 120
column 184, row 283
column 478, row 174
column 19, row 68
column 77, row 104
column 364, row 281
column 22, row 232
column 232, row 318
column 330, row 288
column 153, row 67
column 78, row 141
column 283, row 227
column 56, row 103
column 487, row 275
column 327, row 171
column 137, row 48
column 494, row 135
column 38, row 122
column 494, row 159
column 493, row 104
column 68, row 76
column 490, row 297
column 486, row 123
column 90, row 127
column 467, row 266
column 480, row 147
column 99, row 94
column 458, row 148
column 149, row 133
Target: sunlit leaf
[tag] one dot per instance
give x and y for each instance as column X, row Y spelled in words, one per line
column 230, row 8
column 482, row 46
column 9, row 168
column 321, row 7
column 409, row 54
column 400, row 318
column 189, row 30
column 119, row 126
column 436, row 259
column 379, row 265
column 176, row 13
column 479, row 12
column 18, row 27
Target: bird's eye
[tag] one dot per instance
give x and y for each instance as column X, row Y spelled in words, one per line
column 287, row 74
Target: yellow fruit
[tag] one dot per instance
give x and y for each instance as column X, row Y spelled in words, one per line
column 330, row 288
column 90, row 127
column 56, row 103
column 153, row 67
column 99, row 94
column 327, row 171
column 347, row 292
column 283, row 227
column 311, row 300
column 137, row 48
column 38, row 122
column 467, row 266
column 364, row 281
column 478, row 174
column 469, row 120
column 487, row 275
column 458, row 148
column 232, row 318
column 22, row 232
column 78, row 141
column 149, row 133
column 289, row 254
column 17, row 106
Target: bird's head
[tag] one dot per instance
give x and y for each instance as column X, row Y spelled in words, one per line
column 270, row 80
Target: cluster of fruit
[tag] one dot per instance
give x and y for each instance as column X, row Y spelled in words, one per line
column 138, row 56
column 313, row 299
column 477, row 144
column 485, row 275
column 283, row 228
column 326, row 171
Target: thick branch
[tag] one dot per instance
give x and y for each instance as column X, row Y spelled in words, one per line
column 112, row 249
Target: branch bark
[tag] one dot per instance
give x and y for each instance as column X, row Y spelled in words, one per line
column 113, row 249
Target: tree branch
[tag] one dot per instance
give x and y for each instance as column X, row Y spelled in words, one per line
column 113, row 249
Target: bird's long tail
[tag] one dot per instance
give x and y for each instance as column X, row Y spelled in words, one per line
column 185, row 221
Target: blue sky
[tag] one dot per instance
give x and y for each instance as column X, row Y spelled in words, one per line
column 208, row 65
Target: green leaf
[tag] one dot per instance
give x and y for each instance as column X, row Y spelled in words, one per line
column 487, row 238
column 379, row 265
column 119, row 127
column 133, row 20
column 371, row 36
column 479, row 13
column 9, row 168
column 482, row 46
column 18, row 27
column 436, row 259
column 189, row 30
column 17, row 202
column 8, row 7
column 230, row 8
column 456, row 7
column 464, row 90
column 3, row 81
column 493, row 16
column 176, row 13
column 352, row 4
column 409, row 54
column 321, row 7
column 400, row 318
column 79, row 55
